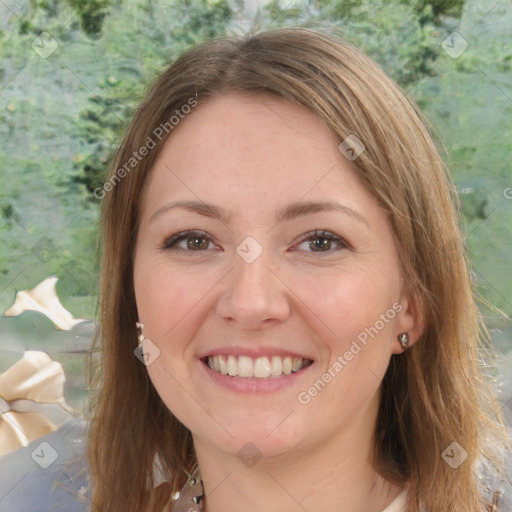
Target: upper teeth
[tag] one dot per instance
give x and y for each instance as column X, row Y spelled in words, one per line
column 244, row 366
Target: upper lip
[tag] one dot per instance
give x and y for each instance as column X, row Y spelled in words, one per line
column 253, row 352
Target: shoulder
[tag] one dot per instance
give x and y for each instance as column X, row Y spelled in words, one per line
column 49, row 474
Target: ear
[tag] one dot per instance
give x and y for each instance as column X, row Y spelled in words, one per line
column 410, row 319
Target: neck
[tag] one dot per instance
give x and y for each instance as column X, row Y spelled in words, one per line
column 332, row 472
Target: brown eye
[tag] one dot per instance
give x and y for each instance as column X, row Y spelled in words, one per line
column 191, row 241
column 323, row 241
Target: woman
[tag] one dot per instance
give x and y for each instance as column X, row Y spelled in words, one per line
column 282, row 254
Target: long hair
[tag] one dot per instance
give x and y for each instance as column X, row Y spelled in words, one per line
column 431, row 396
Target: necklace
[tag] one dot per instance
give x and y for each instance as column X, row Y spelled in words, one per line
column 191, row 495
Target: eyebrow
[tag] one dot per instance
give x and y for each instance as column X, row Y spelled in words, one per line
column 292, row 211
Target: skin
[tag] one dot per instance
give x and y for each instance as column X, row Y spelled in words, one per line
column 253, row 156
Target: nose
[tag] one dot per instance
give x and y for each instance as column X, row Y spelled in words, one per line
column 253, row 297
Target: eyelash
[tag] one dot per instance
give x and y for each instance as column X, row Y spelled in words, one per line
column 170, row 242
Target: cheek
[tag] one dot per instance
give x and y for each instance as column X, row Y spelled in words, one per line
column 170, row 304
column 354, row 318
column 166, row 296
column 350, row 302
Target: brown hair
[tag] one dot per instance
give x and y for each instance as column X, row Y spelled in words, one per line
column 432, row 395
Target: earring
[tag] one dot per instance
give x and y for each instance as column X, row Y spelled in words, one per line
column 404, row 339
column 140, row 336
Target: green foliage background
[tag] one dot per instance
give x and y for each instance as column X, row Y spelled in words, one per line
column 62, row 117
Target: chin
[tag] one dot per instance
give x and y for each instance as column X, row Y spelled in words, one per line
column 268, row 437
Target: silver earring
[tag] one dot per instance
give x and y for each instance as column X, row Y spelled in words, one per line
column 140, row 336
column 404, row 339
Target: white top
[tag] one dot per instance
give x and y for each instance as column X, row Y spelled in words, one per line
column 398, row 505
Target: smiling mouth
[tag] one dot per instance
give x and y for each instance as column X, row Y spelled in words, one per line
column 260, row 367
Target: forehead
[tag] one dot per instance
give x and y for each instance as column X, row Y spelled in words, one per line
column 244, row 150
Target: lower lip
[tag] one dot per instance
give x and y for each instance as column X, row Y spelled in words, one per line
column 255, row 384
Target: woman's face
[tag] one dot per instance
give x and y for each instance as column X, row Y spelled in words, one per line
column 258, row 246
